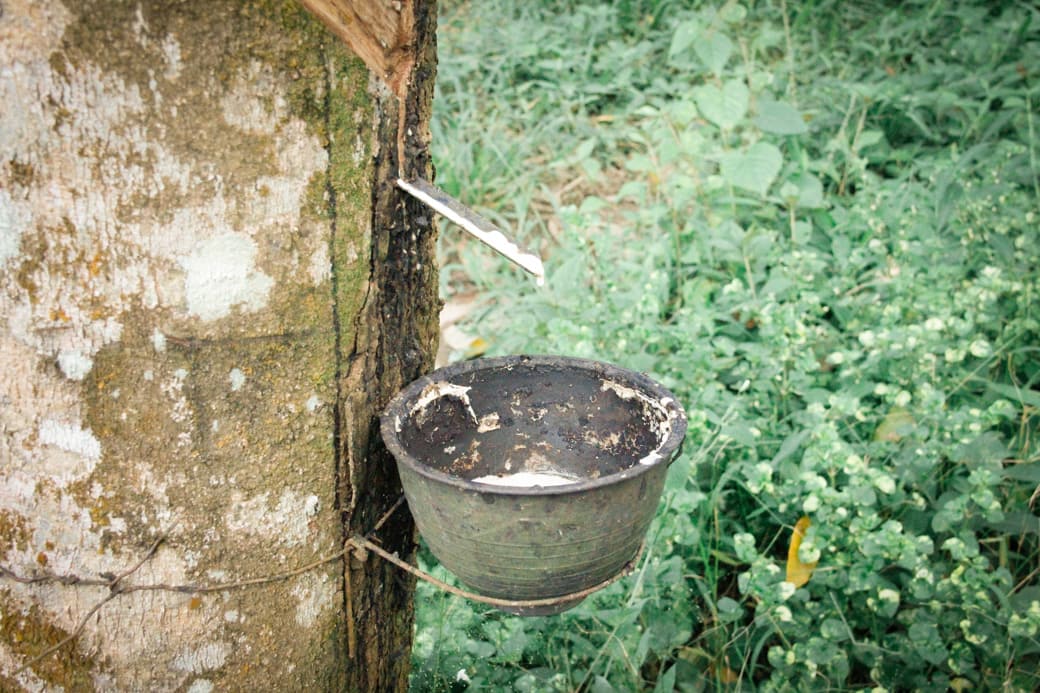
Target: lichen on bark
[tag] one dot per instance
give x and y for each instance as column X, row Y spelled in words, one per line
column 174, row 196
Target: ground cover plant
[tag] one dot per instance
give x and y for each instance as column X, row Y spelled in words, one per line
column 818, row 224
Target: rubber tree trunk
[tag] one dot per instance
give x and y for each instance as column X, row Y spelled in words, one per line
column 210, row 287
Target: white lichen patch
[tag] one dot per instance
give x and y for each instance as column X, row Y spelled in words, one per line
column 320, row 267
column 314, row 594
column 286, row 523
column 178, row 408
column 171, row 51
column 242, row 109
column 70, row 437
column 280, row 196
column 237, row 379
column 205, row 657
column 14, row 219
column 221, row 273
column 74, row 364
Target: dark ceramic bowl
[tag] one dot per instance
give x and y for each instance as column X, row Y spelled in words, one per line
column 533, row 477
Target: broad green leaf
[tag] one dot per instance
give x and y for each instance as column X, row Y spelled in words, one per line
column 725, row 107
column 640, row 163
column 834, row 630
column 810, row 191
column 753, row 170
column 732, row 12
column 666, row 683
column 925, row 638
column 779, row 118
column 685, row 34
column 714, row 49
column 682, row 112
column 1016, row 523
column 1016, row 394
column 729, row 610
column 869, row 138
column 583, row 150
column 479, row 648
column 1024, row 471
column 789, row 446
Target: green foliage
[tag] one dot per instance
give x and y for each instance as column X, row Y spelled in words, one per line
column 818, row 224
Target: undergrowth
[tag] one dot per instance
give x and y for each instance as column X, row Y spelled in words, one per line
column 818, row 224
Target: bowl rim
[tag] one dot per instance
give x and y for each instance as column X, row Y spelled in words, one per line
column 666, row 451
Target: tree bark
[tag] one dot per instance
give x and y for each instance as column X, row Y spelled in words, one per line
column 210, row 288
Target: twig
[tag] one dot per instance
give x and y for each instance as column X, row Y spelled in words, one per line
column 71, row 636
column 147, row 555
column 48, row 578
column 386, row 516
column 223, row 587
column 349, row 605
column 114, row 591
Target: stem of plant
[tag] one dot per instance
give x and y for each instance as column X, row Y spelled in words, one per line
column 1032, row 144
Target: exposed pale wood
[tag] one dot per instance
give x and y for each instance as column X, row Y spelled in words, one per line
column 380, row 32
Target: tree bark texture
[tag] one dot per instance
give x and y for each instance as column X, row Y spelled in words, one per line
column 210, row 288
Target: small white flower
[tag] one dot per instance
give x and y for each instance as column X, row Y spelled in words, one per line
column 885, row 484
column 924, row 574
column 462, row 676
column 853, row 464
column 902, row 399
column 889, row 595
column 836, row 358
column 979, row 348
column 811, row 504
column 934, row 324
column 867, row 338
column 808, row 553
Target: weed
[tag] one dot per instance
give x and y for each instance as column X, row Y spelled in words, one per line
column 818, row 224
